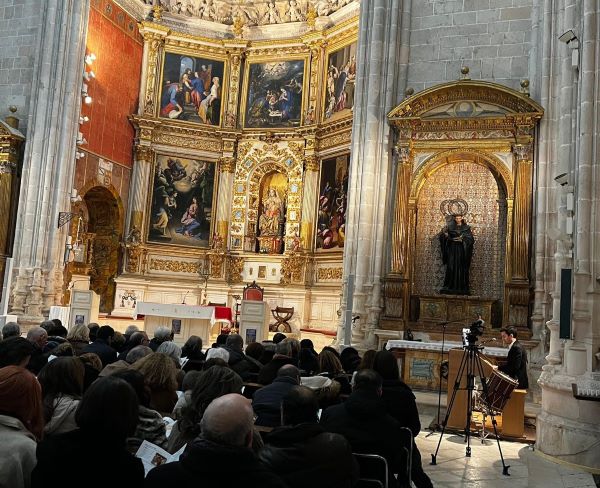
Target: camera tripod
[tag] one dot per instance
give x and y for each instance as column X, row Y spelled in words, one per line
column 471, row 362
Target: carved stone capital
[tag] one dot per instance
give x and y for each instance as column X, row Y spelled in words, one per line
column 143, row 153
column 311, row 163
column 227, row 164
column 522, row 152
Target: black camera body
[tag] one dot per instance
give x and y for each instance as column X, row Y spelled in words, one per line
column 475, row 331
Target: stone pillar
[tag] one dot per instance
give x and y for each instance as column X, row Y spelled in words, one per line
column 138, row 190
column 371, row 164
column 154, row 37
column 309, row 201
column 49, row 159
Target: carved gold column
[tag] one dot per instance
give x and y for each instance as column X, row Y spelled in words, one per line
column 516, row 314
column 139, row 187
column 10, row 142
column 230, row 114
column 309, row 201
column 314, row 41
column 224, row 195
column 154, row 38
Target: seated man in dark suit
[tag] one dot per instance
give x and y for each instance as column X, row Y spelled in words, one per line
column 363, row 420
column 516, row 361
column 101, row 346
column 302, row 452
column 266, row 402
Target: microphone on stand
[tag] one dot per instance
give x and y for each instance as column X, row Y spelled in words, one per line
column 184, row 297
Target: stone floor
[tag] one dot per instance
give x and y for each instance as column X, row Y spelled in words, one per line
column 484, row 468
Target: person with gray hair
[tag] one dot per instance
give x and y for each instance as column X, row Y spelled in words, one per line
column 286, row 352
column 137, row 353
column 130, row 330
column 218, row 353
column 39, row 338
column 139, row 338
column 170, row 349
column 226, row 434
column 161, row 334
column 11, row 329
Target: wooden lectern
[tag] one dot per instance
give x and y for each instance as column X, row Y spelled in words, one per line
column 512, row 420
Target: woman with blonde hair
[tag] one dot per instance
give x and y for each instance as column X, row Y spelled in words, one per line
column 79, row 337
column 331, row 367
column 21, row 425
column 160, row 375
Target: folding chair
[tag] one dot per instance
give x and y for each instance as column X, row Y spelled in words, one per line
column 369, row 464
column 408, row 452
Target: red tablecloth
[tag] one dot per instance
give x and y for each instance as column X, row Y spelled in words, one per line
column 223, row 313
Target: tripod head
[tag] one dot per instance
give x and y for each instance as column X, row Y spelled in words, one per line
column 474, row 332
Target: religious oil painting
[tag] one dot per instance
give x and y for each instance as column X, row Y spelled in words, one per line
column 333, row 191
column 183, row 203
column 192, row 89
column 340, row 81
column 274, row 94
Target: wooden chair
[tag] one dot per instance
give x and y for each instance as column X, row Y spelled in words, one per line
column 253, row 292
column 282, row 315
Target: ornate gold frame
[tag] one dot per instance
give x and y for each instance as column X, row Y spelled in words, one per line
column 266, row 59
column 153, row 245
column 509, row 130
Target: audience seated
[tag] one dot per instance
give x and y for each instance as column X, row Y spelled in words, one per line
column 95, row 452
column 160, row 376
column 39, row 338
column 331, row 367
column 118, row 342
column 213, row 383
column 93, row 366
column 10, row 329
column 129, row 331
column 94, row 328
column 254, row 353
column 57, row 334
column 192, row 350
column 136, row 339
column 101, row 346
column 238, row 361
column 362, row 419
column 301, row 452
column 189, row 381
column 62, row 386
column 161, row 334
column 174, row 352
column 221, row 455
column 218, row 353
column 135, row 354
column 266, row 402
column 367, row 360
column 151, row 426
column 286, row 352
column 79, row 337
column 308, row 360
column 350, row 359
column 278, row 337
column 15, row 351
column 401, row 404
column 268, row 352
column 21, row 424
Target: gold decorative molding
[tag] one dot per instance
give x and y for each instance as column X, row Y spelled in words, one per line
column 226, row 164
column 311, row 163
column 174, row 266
column 235, row 267
column 330, row 274
column 292, row 266
column 143, row 153
column 188, row 138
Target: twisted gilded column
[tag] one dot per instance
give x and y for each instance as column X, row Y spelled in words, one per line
column 309, row 199
column 401, row 220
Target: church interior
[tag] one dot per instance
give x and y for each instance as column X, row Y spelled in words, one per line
column 417, row 177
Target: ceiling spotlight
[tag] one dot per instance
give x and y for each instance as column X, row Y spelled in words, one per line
column 79, row 155
column 567, row 37
column 87, row 100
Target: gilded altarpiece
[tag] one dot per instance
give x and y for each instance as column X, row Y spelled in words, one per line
column 248, row 161
column 471, row 141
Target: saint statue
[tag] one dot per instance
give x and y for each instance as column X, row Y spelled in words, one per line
column 456, row 240
column 268, row 223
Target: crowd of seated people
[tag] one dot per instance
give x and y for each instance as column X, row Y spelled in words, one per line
column 272, row 414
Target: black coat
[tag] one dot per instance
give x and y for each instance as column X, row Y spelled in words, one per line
column 90, row 463
column 305, row 455
column 266, row 402
column 401, row 404
column 516, row 365
column 100, row 347
column 205, row 464
column 240, row 363
column 364, row 421
column 269, row 371
column 37, row 360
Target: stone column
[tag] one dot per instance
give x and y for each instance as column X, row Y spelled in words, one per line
column 370, row 167
column 138, row 192
column 309, row 201
column 49, row 159
column 154, row 37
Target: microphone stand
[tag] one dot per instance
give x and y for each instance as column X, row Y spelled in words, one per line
column 439, row 407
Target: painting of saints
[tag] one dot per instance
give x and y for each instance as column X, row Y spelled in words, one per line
column 274, row 94
column 331, row 215
column 191, row 89
column 182, row 201
column 340, row 82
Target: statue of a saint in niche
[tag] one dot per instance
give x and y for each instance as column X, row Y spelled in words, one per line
column 272, row 215
column 456, row 240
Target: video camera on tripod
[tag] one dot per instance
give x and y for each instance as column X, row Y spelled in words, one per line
column 474, row 331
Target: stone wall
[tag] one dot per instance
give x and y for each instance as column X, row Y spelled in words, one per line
column 20, row 22
column 491, row 37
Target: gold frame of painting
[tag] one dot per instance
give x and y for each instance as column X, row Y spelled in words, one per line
column 169, row 48
column 342, row 40
column 320, row 251
column 155, row 245
column 262, row 59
